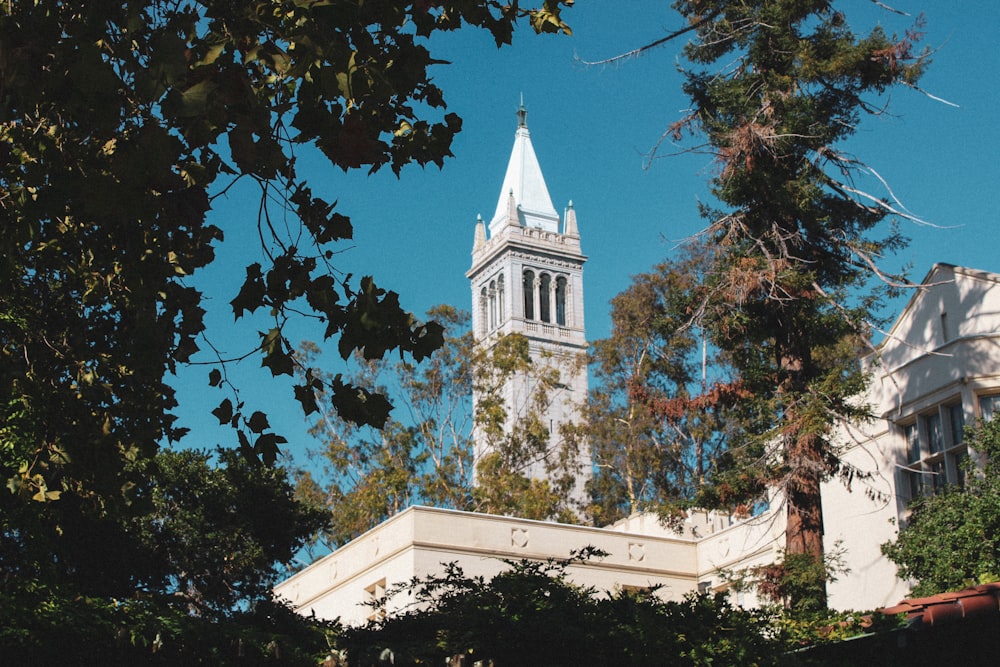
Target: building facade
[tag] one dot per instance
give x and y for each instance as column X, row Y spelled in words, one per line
column 936, row 371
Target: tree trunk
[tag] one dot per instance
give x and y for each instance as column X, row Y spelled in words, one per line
column 803, row 491
column 804, row 528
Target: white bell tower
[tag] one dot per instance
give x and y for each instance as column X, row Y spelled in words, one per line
column 527, row 278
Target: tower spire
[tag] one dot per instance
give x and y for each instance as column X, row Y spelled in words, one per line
column 525, row 183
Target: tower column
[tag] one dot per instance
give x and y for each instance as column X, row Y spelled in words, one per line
column 536, row 290
column 570, row 304
column 551, row 296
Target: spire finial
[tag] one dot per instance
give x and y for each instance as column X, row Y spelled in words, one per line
column 479, row 240
column 569, row 222
column 513, row 218
column 522, row 115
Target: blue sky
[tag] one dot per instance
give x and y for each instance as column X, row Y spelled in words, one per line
column 592, row 128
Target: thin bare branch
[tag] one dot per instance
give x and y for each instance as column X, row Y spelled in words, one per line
column 652, row 45
column 888, row 8
column 930, row 95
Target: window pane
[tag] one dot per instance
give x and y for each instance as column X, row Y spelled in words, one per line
column 938, row 477
column 959, row 459
column 956, row 420
column 561, row 301
column 501, row 301
column 935, row 438
column 493, row 305
column 988, row 405
column 912, row 442
column 913, row 480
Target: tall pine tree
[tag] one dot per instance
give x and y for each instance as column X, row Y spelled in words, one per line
column 776, row 87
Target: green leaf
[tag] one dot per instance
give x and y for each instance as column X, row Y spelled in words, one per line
column 277, row 356
column 258, row 422
column 224, row 413
column 246, row 449
column 358, row 405
column 266, row 447
column 251, row 296
column 306, row 396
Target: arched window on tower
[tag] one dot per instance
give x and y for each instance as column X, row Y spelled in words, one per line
column 529, row 295
column 501, row 302
column 544, row 289
column 483, row 328
column 493, row 305
column 561, row 301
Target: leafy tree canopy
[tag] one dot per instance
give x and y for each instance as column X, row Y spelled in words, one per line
column 119, row 125
column 661, row 411
column 426, row 456
column 362, row 475
column 185, row 578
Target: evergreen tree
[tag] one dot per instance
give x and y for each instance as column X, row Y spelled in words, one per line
column 790, row 296
column 795, row 283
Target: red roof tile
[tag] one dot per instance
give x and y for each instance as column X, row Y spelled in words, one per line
column 950, row 607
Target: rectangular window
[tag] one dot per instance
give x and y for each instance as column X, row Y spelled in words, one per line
column 935, row 448
column 544, row 294
column 375, row 598
column 957, row 460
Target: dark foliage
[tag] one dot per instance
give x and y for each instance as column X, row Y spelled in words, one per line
column 532, row 615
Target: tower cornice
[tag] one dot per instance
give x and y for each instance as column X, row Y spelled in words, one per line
column 527, row 242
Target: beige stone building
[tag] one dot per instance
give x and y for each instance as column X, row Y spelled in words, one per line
column 937, row 369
